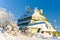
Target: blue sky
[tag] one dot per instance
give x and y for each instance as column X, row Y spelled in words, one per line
column 51, row 8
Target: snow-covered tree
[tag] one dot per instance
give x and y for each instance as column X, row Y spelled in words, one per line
column 5, row 17
column 7, row 22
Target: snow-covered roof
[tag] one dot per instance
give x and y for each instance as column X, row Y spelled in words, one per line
column 37, row 25
column 43, row 29
column 42, row 26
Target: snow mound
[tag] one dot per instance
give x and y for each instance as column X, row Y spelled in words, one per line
column 7, row 36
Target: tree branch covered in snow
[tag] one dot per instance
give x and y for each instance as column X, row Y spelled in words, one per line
column 5, row 17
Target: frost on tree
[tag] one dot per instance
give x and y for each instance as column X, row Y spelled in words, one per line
column 7, row 22
column 5, row 17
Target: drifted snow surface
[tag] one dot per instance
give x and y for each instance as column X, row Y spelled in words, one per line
column 6, row 36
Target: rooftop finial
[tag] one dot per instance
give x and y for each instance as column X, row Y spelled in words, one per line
column 41, row 11
column 36, row 10
column 28, row 9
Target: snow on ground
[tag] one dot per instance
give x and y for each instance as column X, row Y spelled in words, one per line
column 6, row 36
